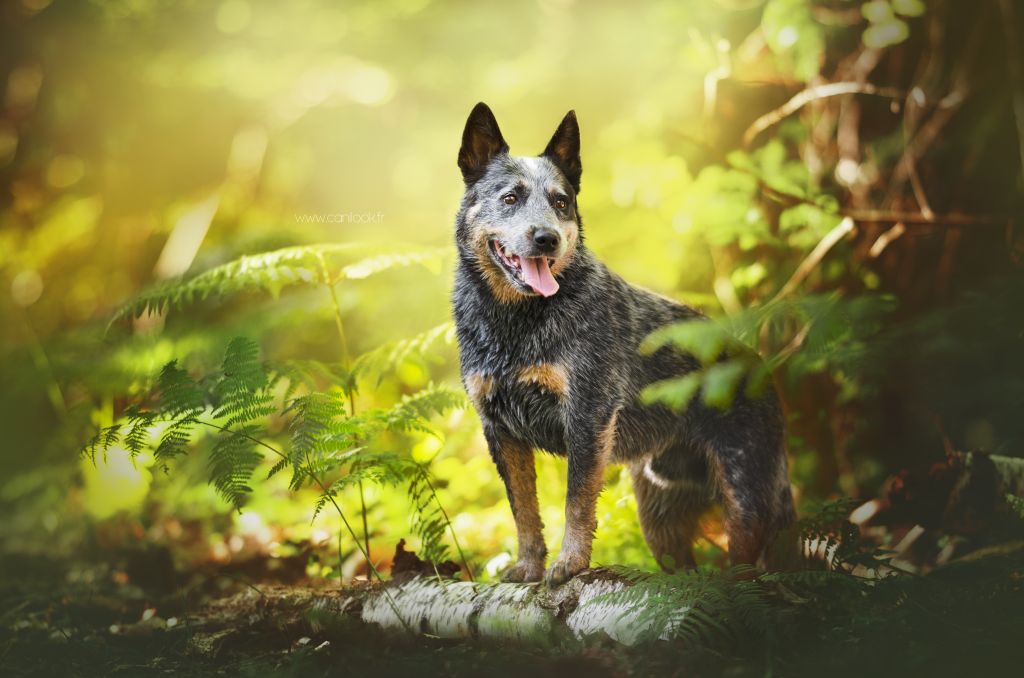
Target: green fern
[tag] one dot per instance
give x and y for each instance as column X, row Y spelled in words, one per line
column 242, row 394
column 233, row 461
column 376, row 363
column 328, row 447
column 700, row 607
column 311, row 375
column 272, row 271
column 315, row 417
column 429, row 522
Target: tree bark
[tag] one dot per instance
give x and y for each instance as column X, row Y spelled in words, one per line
column 532, row 614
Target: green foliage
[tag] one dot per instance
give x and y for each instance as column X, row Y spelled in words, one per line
column 676, row 199
column 812, row 333
column 429, row 520
column 330, row 447
column 791, row 32
column 829, row 540
column 1016, row 505
column 388, row 356
column 325, row 438
column 699, row 607
column 886, row 28
column 272, row 271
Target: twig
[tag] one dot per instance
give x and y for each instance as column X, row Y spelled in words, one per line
column 875, row 215
column 885, row 239
column 810, row 94
column 840, row 231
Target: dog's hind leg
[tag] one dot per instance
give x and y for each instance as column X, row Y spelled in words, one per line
column 749, row 466
column 672, row 490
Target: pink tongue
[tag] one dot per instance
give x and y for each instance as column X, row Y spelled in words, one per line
column 538, row 275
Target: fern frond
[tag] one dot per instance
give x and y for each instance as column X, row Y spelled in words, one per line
column 179, row 394
column 414, row 411
column 429, row 522
column 377, row 362
column 314, row 375
column 105, row 438
column 429, row 259
column 139, row 426
column 175, row 438
column 271, row 272
column 315, row 417
column 243, row 393
column 233, row 460
column 698, row 606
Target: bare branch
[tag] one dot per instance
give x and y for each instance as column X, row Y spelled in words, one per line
column 810, row 94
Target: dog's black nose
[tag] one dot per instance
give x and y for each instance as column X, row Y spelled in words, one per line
column 546, row 239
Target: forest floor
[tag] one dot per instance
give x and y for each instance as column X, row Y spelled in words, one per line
column 130, row 613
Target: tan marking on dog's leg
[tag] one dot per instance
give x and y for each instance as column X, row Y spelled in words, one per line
column 551, row 377
column 521, row 484
column 479, row 387
column 581, row 511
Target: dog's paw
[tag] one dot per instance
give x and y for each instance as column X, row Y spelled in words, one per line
column 523, row 571
column 564, row 569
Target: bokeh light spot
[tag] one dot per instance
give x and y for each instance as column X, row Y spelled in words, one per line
column 26, row 288
column 65, row 171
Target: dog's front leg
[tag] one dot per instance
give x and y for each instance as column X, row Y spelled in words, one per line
column 514, row 460
column 590, row 448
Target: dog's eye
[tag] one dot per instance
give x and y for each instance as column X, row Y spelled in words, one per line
column 560, row 203
column 509, row 199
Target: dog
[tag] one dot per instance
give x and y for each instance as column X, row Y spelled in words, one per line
column 548, row 345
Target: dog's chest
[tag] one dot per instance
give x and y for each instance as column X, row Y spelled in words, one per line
column 526, row 402
column 514, row 366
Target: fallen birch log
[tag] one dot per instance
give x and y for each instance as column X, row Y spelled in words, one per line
column 533, row 614
column 529, row 613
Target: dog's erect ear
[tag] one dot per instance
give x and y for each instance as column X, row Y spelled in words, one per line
column 481, row 141
column 564, row 149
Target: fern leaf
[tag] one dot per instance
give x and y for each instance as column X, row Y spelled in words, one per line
column 175, row 438
column 378, row 362
column 243, row 392
column 271, row 272
column 314, row 375
column 233, row 460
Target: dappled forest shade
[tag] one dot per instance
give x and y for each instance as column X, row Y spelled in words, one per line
column 226, row 254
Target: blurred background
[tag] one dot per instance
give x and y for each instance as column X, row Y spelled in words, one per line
column 859, row 160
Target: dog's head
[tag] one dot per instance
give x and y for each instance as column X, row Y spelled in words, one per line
column 518, row 223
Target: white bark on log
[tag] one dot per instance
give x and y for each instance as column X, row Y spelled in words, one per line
column 524, row 612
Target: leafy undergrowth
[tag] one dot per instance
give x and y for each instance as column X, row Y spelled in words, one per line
column 85, row 619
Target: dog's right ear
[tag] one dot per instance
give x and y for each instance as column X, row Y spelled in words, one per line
column 481, row 141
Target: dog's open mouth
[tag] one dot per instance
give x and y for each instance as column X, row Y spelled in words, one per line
column 533, row 273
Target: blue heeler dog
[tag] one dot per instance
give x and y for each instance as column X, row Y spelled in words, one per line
column 548, row 341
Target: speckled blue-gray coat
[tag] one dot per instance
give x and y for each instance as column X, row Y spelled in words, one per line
column 548, row 342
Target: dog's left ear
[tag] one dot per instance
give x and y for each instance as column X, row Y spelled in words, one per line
column 564, row 149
